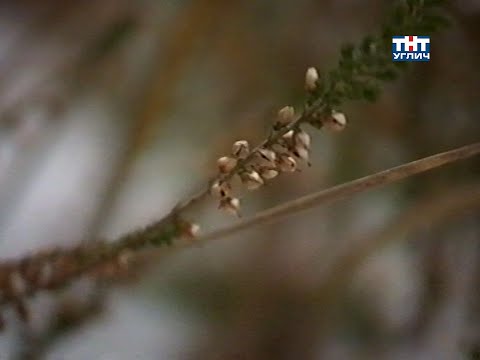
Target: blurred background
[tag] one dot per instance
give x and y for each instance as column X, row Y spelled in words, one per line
column 112, row 111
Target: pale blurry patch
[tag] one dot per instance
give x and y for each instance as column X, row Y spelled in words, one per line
column 390, row 281
column 132, row 328
column 57, row 201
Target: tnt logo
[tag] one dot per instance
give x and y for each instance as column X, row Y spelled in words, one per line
column 411, row 48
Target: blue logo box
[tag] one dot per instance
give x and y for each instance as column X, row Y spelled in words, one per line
column 410, row 48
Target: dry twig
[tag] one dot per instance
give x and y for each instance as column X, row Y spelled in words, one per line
column 54, row 269
column 348, row 189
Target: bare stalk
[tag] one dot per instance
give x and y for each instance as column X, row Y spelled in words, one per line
column 50, row 270
column 348, row 189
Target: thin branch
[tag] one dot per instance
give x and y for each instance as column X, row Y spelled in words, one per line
column 348, row 189
column 50, row 270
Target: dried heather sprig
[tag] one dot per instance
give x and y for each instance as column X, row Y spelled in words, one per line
column 358, row 75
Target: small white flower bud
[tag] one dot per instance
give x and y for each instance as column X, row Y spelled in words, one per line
column 301, row 152
column 252, row 180
column 336, row 122
column 230, row 205
column 285, row 115
column 226, row 164
column 191, row 230
column 220, row 189
column 194, row 230
column 302, row 139
column 288, row 136
column 268, row 173
column 287, row 163
column 267, row 155
column 240, row 149
column 311, row 78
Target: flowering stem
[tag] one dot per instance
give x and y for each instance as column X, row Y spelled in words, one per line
column 347, row 189
column 357, row 77
column 64, row 266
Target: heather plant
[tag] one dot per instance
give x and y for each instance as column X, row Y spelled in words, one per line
column 359, row 74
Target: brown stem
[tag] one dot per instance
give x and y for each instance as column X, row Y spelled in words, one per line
column 55, row 269
column 348, row 189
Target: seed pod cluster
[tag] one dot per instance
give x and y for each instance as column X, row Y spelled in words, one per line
column 289, row 149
